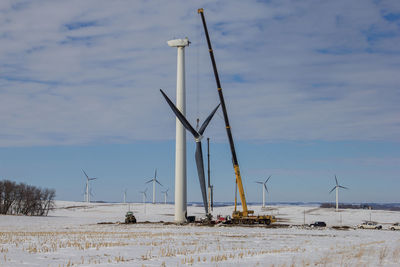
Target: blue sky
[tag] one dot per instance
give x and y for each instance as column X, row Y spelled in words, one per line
column 312, row 90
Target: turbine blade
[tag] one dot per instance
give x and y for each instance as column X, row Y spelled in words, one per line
column 268, row 179
column 200, row 172
column 336, row 180
column 207, row 121
column 158, row 182
column 265, row 186
column 180, row 116
column 259, row 182
column 85, row 174
column 155, row 174
column 343, row 187
column 332, row 190
column 149, row 181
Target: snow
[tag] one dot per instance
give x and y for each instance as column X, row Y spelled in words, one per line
column 71, row 236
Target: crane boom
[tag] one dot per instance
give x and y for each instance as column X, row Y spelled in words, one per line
column 246, row 212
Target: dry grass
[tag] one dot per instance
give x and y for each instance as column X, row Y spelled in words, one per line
column 185, row 248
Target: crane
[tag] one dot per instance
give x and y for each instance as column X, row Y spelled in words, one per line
column 245, row 216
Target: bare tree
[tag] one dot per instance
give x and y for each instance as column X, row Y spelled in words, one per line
column 25, row 199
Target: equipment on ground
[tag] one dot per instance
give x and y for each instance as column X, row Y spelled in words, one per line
column 246, row 216
column 129, row 217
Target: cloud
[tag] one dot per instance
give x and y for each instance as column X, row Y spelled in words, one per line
column 87, row 72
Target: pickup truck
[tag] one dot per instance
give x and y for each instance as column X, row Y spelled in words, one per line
column 369, row 225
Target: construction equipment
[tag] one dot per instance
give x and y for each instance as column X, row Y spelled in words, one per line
column 246, row 216
column 129, row 217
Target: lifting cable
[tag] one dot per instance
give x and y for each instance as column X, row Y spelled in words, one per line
column 198, row 36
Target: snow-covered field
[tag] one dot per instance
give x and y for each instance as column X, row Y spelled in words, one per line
column 71, row 236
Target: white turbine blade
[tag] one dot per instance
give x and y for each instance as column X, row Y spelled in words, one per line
column 259, row 182
column 332, row 189
column 342, row 187
column 336, row 180
column 267, row 179
column 150, row 181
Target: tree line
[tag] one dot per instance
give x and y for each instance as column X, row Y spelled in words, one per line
column 17, row 199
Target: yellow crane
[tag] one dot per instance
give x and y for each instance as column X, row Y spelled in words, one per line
column 245, row 216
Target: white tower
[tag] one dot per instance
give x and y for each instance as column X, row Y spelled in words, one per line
column 180, row 146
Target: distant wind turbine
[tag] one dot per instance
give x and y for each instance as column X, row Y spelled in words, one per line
column 144, row 200
column 337, row 186
column 165, row 195
column 154, row 180
column 264, row 188
column 125, row 195
column 144, row 195
column 88, row 192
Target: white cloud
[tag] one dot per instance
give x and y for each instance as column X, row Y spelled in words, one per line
column 78, row 72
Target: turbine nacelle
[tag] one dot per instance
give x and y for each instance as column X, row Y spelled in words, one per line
column 178, row 42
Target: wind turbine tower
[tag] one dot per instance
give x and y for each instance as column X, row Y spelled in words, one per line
column 87, row 194
column 154, row 180
column 180, row 145
column 337, row 186
column 165, row 195
column 144, row 195
column 144, row 200
column 264, row 188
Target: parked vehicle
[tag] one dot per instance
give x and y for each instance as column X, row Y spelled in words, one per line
column 318, row 224
column 129, row 217
column 395, row 226
column 224, row 220
column 369, row 225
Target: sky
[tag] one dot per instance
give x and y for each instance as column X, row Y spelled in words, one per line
column 311, row 87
